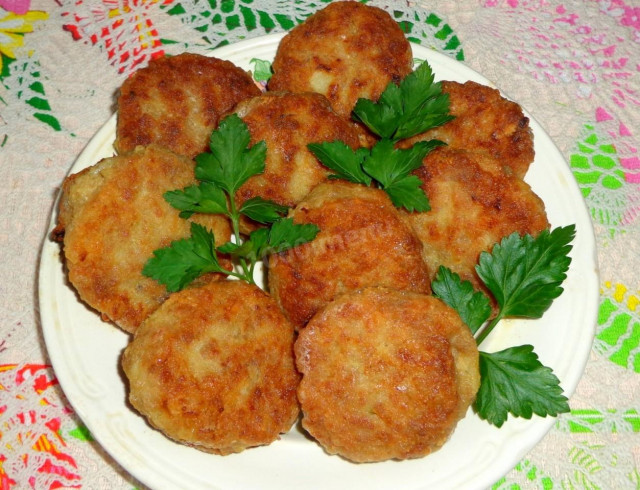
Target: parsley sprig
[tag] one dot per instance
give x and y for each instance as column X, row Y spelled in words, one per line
column 524, row 274
column 389, row 168
column 402, row 111
column 221, row 172
column 413, row 106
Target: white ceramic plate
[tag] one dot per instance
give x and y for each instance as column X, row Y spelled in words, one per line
column 85, row 353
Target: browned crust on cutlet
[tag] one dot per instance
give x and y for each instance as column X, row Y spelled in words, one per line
column 345, row 51
column 177, row 101
column 287, row 123
column 112, row 216
column 474, row 204
column 486, row 122
column 213, row 368
column 386, row 374
column 362, row 242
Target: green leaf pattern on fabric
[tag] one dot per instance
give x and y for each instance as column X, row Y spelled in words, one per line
column 22, row 75
column 596, row 167
column 228, row 21
column 618, row 330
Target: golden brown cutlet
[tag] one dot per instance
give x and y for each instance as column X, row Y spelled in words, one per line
column 213, row 368
column 362, row 241
column 386, row 374
column 485, row 122
column 287, row 123
column 176, row 101
column 112, row 217
column 344, row 51
column 474, row 204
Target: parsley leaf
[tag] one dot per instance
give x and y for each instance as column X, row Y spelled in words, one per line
column 391, row 168
column 410, row 108
column 184, row 260
column 262, row 210
column 407, row 193
column 340, row 158
column 221, row 173
column 231, row 162
column 525, row 273
column 514, row 381
column 251, row 249
column 285, row 234
column 202, row 198
column 472, row 306
column 262, row 71
column 388, row 166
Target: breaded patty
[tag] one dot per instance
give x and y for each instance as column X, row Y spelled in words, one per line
column 345, row 51
column 112, row 217
column 487, row 122
column 473, row 206
column 362, row 242
column 213, row 368
column 288, row 122
column 177, row 101
column 386, row 374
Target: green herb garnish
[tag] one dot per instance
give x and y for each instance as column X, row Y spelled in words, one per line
column 405, row 110
column 525, row 275
column 262, row 71
column 221, row 173
column 402, row 111
column 388, row 167
column 514, row 381
column 473, row 307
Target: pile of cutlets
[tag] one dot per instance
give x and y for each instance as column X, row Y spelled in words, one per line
column 347, row 334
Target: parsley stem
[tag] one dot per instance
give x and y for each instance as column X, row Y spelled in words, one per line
column 235, row 223
column 487, row 330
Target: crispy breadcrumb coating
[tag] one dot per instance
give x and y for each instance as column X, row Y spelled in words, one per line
column 344, row 51
column 485, row 122
column 386, row 374
column 176, row 101
column 362, row 241
column 112, row 217
column 213, row 368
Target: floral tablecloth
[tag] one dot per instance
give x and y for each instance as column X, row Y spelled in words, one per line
column 573, row 65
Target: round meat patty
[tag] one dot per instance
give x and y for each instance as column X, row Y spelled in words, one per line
column 177, row 101
column 213, row 368
column 485, row 122
column 474, row 205
column 362, row 241
column 288, row 122
column 345, row 51
column 386, row 374
column 112, row 217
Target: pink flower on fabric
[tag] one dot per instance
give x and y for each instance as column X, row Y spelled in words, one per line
column 631, row 17
column 19, row 7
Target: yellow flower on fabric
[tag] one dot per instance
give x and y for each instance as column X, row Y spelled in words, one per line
column 12, row 30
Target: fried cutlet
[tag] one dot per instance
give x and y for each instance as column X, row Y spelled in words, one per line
column 213, row 368
column 112, row 217
column 474, row 204
column 288, row 122
column 386, row 374
column 486, row 122
column 362, row 242
column 344, row 51
column 177, row 101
